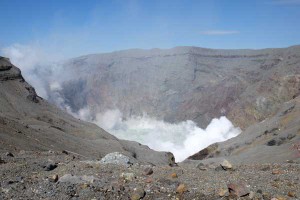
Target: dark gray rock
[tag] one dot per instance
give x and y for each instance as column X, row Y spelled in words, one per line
column 32, row 96
column 5, row 64
column 1, row 161
column 9, row 154
column 219, row 168
column 239, row 189
column 272, row 142
column 148, row 171
column 201, row 166
column 50, row 167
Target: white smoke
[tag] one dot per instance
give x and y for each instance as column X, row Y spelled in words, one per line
column 40, row 69
column 29, row 58
column 182, row 139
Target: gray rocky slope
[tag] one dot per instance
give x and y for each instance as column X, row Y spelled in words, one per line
column 276, row 139
column 28, row 122
column 185, row 83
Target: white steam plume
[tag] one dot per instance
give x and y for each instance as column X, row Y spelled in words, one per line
column 40, row 69
column 182, row 139
column 28, row 58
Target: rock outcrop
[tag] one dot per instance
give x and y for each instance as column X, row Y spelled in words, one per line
column 5, row 64
column 8, row 71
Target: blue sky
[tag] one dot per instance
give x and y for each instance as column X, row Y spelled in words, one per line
column 73, row 27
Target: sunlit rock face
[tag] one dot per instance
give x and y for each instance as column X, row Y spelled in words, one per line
column 184, row 83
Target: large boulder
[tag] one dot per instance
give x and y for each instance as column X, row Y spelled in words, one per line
column 115, row 158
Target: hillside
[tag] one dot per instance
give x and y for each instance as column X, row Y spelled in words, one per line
column 274, row 140
column 185, row 83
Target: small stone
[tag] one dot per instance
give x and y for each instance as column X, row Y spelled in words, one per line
column 116, row 186
column 2, row 161
column 51, row 151
column 149, row 180
column 50, row 167
column 174, row 175
column 181, row 189
column 219, row 168
column 222, row 192
column 266, row 168
column 85, row 185
column 163, row 189
column 239, row 189
column 34, row 176
column 128, row 176
column 10, row 182
column 251, row 195
column 275, row 185
column 281, row 198
column 138, row 193
column 276, row 171
column 291, row 194
column 148, row 171
column 5, row 190
column 201, row 166
column 226, row 165
column 19, row 178
column 259, row 191
column 65, row 152
column 22, row 152
column 290, row 161
column 266, row 195
column 54, row 178
column 9, row 154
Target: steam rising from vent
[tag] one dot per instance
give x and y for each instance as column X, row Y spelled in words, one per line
column 182, row 139
column 40, row 69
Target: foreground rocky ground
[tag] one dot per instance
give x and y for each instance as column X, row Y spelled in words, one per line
column 63, row 175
